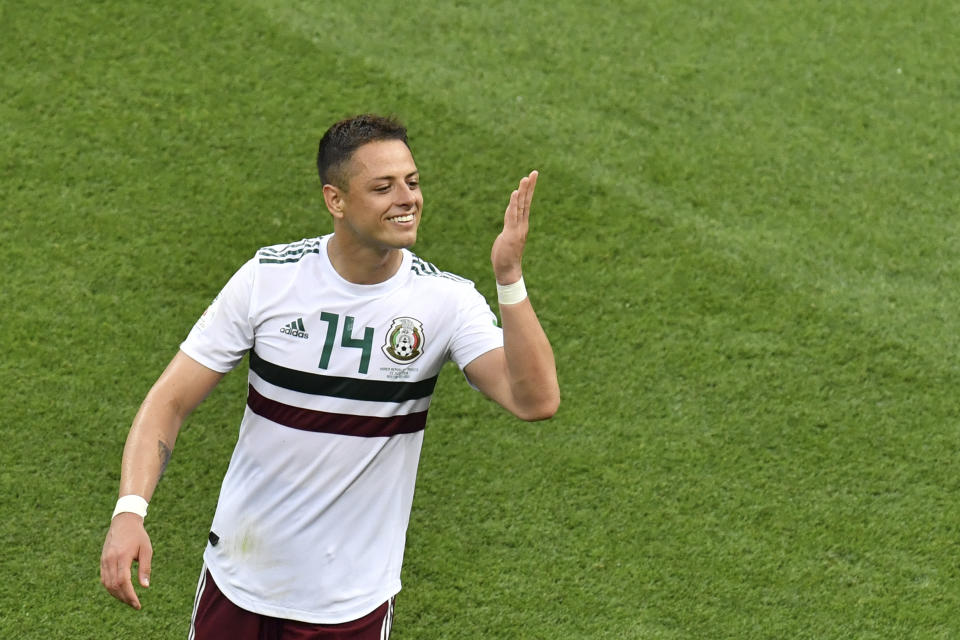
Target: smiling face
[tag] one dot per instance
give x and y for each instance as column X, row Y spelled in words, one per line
column 381, row 205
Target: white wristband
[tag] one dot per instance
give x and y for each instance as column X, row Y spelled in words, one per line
column 511, row 293
column 131, row 504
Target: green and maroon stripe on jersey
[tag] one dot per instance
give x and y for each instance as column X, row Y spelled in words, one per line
column 339, row 387
column 336, row 423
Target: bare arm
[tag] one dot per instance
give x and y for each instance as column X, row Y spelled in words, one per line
column 178, row 391
column 522, row 376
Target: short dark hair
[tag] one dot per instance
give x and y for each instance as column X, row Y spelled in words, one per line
column 343, row 138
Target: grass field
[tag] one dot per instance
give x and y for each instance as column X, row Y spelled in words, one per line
column 744, row 251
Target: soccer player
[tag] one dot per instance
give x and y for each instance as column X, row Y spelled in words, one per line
column 346, row 335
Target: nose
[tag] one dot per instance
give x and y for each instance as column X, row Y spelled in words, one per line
column 406, row 196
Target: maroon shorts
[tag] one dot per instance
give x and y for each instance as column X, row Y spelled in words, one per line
column 217, row 618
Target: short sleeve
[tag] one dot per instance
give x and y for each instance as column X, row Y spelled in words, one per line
column 477, row 331
column 225, row 331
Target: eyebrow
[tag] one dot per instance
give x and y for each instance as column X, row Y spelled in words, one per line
column 412, row 173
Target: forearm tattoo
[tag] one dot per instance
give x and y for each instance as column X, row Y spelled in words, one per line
column 164, row 452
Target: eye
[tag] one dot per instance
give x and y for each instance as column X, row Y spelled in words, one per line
column 382, row 188
column 413, row 184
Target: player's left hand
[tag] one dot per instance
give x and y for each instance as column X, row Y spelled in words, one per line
column 507, row 249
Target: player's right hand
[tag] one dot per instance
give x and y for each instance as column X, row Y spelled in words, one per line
column 127, row 541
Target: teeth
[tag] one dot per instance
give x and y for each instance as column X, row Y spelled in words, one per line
column 406, row 218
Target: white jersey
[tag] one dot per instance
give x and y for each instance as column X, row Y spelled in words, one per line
column 313, row 511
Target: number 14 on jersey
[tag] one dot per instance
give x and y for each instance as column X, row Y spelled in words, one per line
column 365, row 344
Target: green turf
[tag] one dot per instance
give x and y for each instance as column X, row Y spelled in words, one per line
column 744, row 252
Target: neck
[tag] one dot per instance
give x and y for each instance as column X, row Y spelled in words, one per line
column 363, row 265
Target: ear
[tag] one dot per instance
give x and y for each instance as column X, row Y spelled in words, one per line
column 333, row 197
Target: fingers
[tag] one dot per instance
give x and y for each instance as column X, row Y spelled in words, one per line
column 115, row 576
column 518, row 211
column 527, row 185
column 123, row 589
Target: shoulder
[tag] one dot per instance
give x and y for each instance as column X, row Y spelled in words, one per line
column 289, row 253
column 420, row 268
column 457, row 292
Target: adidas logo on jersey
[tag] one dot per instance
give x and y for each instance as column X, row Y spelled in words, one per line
column 295, row 329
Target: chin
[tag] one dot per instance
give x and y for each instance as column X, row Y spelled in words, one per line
column 406, row 240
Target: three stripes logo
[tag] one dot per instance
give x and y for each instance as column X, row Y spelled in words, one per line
column 295, row 329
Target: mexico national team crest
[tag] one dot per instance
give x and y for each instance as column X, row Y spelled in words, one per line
column 404, row 340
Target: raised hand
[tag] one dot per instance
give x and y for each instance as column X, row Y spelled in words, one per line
column 507, row 251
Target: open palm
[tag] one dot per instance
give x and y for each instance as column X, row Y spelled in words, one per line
column 507, row 251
